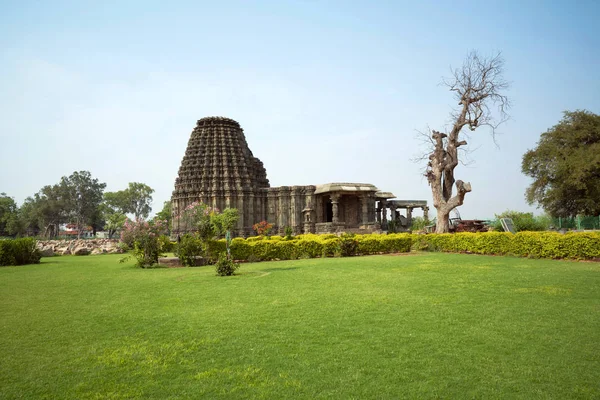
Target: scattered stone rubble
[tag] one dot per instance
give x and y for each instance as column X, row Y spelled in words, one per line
column 80, row 247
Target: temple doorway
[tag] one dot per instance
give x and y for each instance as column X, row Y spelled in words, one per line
column 328, row 210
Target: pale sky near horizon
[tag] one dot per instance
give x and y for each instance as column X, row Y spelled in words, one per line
column 326, row 91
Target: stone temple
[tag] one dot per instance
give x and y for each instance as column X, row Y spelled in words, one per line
column 219, row 169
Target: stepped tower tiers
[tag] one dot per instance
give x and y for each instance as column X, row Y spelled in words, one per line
column 219, row 170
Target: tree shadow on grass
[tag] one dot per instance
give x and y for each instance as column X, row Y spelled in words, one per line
column 279, row 269
column 261, row 273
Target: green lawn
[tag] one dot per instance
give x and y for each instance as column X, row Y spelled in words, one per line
column 411, row 326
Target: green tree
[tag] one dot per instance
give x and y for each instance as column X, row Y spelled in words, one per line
column 225, row 221
column 16, row 225
column 47, row 209
column 83, row 196
column 523, row 221
column 565, row 167
column 136, row 200
column 114, row 222
column 166, row 215
column 140, row 197
column 8, row 209
column 117, row 201
column 27, row 219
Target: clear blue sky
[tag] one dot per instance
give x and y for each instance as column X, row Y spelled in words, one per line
column 325, row 90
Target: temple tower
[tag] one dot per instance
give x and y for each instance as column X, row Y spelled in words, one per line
column 219, row 169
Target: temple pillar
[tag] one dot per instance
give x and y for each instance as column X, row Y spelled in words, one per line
column 335, row 198
column 319, row 209
column 426, row 213
column 409, row 216
column 365, row 209
column 296, row 206
column 240, row 206
column 250, row 214
column 378, row 216
column 272, row 201
column 284, row 209
column 383, row 205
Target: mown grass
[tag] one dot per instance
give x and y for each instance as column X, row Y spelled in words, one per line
column 412, row 326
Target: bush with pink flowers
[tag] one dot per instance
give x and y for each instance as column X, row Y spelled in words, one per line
column 143, row 238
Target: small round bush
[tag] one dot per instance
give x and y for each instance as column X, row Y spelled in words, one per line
column 225, row 266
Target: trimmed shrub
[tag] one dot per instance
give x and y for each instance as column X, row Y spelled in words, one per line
column 379, row 244
column 214, row 248
column 189, row 247
column 309, row 247
column 7, row 256
column 348, row 245
column 19, row 252
column 241, row 249
column 285, row 250
column 574, row 245
column 330, row 247
column 312, row 246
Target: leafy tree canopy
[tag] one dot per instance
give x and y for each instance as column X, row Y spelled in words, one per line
column 136, row 200
column 8, row 208
column 565, row 166
column 82, row 195
column 140, row 198
column 47, row 209
column 523, row 221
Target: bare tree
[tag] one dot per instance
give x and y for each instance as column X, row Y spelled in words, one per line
column 478, row 87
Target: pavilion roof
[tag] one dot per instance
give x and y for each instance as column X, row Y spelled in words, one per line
column 345, row 187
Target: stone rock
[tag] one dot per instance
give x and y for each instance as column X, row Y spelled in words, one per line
column 47, row 251
column 170, row 262
column 81, row 251
column 68, row 247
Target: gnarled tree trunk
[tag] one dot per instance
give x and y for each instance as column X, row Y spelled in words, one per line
column 476, row 85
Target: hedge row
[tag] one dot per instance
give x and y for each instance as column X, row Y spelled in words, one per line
column 312, row 246
column 574, row 245
column 19, row 252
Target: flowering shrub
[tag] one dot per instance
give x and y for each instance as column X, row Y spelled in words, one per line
column 197, row 217
column 262, row 228
column 145, row 239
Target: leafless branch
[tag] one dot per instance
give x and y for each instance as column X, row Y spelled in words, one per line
column 478, row 88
